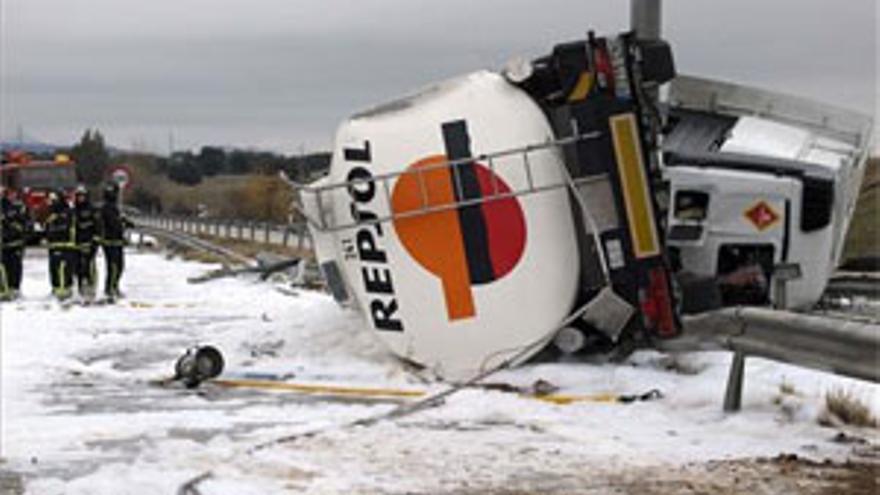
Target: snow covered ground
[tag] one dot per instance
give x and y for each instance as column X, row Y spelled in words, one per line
column 81, row 416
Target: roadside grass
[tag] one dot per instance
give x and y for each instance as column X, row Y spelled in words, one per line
column 845, row 407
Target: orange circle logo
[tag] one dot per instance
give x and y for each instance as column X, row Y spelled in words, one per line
column 459, row 223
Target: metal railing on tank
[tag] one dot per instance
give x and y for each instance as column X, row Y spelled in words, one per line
column 519, row 160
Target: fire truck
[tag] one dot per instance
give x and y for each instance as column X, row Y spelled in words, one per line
column 34, row 179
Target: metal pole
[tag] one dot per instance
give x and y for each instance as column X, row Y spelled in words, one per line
column 646, row 18
column 733, row 394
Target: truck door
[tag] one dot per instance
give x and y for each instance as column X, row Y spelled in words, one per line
column 731, row 225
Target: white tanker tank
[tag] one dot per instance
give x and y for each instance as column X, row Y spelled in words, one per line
column 440, row 282
column 469, row 221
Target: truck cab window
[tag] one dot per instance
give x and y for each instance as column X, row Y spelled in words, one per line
column 691, row 205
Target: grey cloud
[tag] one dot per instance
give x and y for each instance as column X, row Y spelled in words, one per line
column 278, row 73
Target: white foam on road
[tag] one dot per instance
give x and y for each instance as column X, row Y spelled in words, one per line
column 79, row 416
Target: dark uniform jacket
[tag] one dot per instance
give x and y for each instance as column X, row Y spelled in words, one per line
column 112, row 225
column 60, row 229
column 86, row 225
column 15, row 222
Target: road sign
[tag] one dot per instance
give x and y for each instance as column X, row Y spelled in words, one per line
column 121, row 175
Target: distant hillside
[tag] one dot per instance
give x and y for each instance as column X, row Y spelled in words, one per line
column 30, row 147
column 862, row 250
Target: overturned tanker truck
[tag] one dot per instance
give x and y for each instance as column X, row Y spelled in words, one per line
column 561, row 205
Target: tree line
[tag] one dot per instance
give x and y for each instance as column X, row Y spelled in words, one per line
column 189, row 168
column 244, row 182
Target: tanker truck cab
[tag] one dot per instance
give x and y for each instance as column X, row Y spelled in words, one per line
column 760, row 180
column 470, row 222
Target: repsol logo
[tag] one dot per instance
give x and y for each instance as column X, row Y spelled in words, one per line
column 367, row 245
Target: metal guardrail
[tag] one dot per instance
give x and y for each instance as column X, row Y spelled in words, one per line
column 848, row 347
column 192, row 242
column 290, row 235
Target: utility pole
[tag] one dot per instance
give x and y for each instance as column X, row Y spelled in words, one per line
column 646, row 18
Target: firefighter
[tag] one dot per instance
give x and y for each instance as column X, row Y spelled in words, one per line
column 85, row 218
column 15, row 228
column 4, row 280
column 61, row 237
column 111, row 235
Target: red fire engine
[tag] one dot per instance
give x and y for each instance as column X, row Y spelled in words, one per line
column 34, row 179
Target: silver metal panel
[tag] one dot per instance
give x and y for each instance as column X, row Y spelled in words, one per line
column 695, row 93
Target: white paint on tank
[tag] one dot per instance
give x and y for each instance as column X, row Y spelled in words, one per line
column 514, row 310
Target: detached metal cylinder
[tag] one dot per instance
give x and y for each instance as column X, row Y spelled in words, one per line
column 197, row 365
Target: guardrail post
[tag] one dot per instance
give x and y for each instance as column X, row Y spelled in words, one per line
column 733, row 394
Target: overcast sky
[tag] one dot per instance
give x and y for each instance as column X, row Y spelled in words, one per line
column 281, row 74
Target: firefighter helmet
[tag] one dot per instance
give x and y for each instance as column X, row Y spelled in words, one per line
column 111, row 192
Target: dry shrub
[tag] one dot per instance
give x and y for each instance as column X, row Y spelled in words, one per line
column 844, row 407
column 265, row 197
column 241, row 197
column 787, row 390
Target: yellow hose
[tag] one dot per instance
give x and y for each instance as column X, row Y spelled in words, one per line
column 393, row 393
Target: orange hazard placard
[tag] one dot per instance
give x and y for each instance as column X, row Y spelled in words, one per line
column 762, row 215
